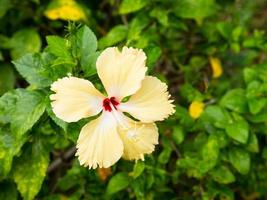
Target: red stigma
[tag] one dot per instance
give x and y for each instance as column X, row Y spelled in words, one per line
column 107, row 102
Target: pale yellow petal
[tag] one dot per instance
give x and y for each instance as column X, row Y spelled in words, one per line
column 75, row 99
column 138, row 140
column 151, row 102
column 99, row 144
column 121, row 72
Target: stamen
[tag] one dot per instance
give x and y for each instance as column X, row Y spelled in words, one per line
column 114, row 102
column 133, row 133
column 108, row 102
column 123, row 123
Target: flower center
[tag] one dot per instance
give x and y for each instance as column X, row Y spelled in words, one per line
column 108, row 103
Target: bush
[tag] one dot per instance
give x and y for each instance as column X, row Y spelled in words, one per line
column 212, row 55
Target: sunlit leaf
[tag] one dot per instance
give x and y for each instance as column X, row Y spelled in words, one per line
column 30, row 169
column 118, row 182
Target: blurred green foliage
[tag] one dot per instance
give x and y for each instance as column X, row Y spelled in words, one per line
column 220, row 155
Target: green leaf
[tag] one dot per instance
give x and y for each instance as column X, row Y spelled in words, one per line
column 10, row 145
column 32, row 68
column 221, row 138
column 7, row 106
column 59, row 47
column 254, row 93
column 128, row 6
column 195, row 9
column 6, row 155
column 222, row 175
column 7, row 78
column 86, row 41
column 190, row 93
column 30, row 169
column 178, row 135
column 91, row 69
column 8, row 191
column 256, row 104
column 221, row 191
column 115, row 35
column 24, row 41
column 136, row 27
column 262, row 70
column 225, row 29
column 240, row 159
column 210, row 151
column 183, row 116
column 197, row 63
column 235, row 47
column 153, row 53
column 235, row 100
column 139, row 167
column 58, row 121
column 165, row 155
column 5, row 6
column 30, row 106
column 5, row 165
column 74, row 130
column 258, row 118
column 84, row 46
column 250, row 75
column 253, row 145
column 73, row 177
column 236, row 33
column 41, row 69
column 238, row 129
column 210, row 154
column 256, row 41
column 4, row 43
column 194, row 167
column 161, row 15
column 216, row 115
column 264, row 153
column 57, row 68
column 118, row 182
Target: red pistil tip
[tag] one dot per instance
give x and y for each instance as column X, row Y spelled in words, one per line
column 107, row 102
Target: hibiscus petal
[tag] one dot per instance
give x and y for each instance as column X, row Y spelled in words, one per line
column 121, row 72
column 138, row 140
column 75, row 99
column 99, row 143
column 151, row 102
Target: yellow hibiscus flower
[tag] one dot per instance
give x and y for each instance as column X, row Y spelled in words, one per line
column 104, row 140
column 196, row 108
column 65, row 10
column 216, row 66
